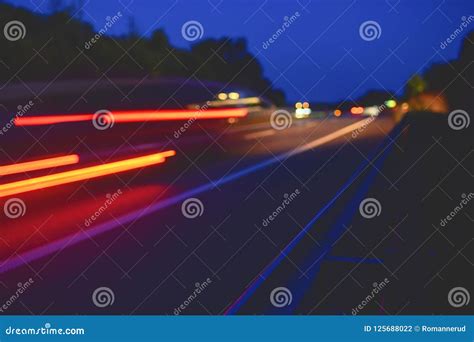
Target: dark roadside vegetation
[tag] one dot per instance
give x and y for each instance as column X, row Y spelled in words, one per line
column 227, row 60
column 62, row 54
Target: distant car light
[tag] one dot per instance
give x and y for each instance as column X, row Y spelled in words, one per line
column 371, row 111
column 302, row 113
column 357, row 110
column 222, row 96
column 234, row 96
column 391, row 103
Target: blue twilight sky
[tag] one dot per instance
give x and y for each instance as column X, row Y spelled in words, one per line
column 321, row 55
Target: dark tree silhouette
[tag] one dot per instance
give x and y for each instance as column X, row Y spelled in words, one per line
column 61, row 45
column 455, row 79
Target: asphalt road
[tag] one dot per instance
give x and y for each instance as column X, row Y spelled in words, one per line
column 278, row 227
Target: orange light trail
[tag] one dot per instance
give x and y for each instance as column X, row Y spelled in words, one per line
column 39, row 164
column 136, row 116
column 83, row 174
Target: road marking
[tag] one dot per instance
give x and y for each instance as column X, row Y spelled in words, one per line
column 333, row 136
column 261, row 134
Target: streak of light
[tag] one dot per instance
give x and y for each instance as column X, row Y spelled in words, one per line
column 74, row 239
column 136, row 116
column 39, row 164
column 82, row 174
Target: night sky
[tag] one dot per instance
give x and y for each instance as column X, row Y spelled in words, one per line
column 320, row 56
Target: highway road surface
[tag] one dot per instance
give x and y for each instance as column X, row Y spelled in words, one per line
column 237, row 217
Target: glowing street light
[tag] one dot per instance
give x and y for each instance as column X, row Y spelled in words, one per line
column 391, row 103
